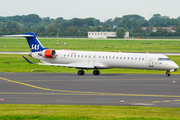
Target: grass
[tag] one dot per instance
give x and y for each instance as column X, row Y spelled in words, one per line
column 16, row 63
column 20, row 44
column 84, row 112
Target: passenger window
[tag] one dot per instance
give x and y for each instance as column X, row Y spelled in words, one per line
column 106, row 57
column 103, row 57
column 82, row 56
column 120, row 57
column 113, row 57
column 78, row 55
column 139, row 58
column 128, row 58
column 109, row 57
column 64, row 55
column 99, row 56
column 86, row 56
column 71, row 55
column 74, row 55
column 142, row 58
column 124, row 57
column 132, row 58
column 135, row 58
column 116, row 57
column 67, row 55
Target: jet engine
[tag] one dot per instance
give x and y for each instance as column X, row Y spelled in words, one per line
column 48, row 53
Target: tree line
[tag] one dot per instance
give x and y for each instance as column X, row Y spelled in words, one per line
column 80, row 27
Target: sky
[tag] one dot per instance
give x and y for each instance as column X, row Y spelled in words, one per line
column 99, row 9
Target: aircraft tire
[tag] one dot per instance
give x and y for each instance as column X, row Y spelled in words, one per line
column 96, row 72
column 168, row 74
column 81, row 72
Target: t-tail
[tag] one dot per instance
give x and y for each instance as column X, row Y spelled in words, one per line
column 33, row 42
column 35, row 45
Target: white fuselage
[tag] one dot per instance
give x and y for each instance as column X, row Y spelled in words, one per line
column 104, row 60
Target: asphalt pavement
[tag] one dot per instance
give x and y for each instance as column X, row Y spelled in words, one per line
column 105, row 89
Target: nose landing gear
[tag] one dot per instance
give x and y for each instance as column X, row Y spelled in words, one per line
column 168, row 73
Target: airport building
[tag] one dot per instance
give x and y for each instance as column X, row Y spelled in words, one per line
column 154, row 29
column 102, row 35
column 126, row 36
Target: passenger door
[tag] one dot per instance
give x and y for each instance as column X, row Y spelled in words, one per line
column 151, row 62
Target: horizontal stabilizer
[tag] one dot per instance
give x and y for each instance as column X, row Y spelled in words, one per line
column 18, row 35
column 32, row 40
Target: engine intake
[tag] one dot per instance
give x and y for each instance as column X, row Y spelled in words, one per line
column 48, row 53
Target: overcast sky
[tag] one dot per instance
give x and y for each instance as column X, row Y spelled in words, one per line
column 99, row 9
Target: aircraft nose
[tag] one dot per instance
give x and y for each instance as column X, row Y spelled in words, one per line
column 175, row 66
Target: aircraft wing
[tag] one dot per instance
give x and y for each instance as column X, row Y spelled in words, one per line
column 63, row 65
column 69, row 65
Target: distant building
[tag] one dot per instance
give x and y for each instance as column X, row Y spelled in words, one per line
column 154, row 29
column 102, row 35
column 126, row 36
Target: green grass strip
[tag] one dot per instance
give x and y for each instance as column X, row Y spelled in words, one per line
column 116, row 45
column 84, row 112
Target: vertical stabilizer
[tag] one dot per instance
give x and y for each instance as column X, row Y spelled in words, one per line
column 33, row 42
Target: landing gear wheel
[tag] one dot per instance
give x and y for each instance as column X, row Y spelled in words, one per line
column 168, row 73
column 81, row 72
column 96, row 72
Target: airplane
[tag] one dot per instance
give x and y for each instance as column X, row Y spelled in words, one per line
column 87, row 60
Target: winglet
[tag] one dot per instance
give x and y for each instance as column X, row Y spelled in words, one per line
column 28, row 60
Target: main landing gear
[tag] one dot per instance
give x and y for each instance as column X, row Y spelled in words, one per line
column 168, row 73
column 95, row 72
column 81, row 72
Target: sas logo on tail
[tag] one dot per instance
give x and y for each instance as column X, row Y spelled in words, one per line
column 34, row 47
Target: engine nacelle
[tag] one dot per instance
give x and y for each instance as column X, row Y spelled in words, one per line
column 48, row 53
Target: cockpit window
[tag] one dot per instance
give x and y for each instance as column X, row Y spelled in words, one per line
column 164, row 59
column 167, row 59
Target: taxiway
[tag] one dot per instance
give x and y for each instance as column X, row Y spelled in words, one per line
column 105, row 89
